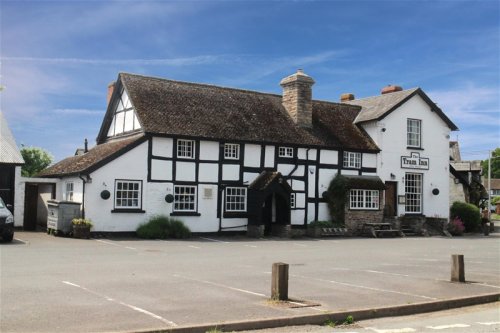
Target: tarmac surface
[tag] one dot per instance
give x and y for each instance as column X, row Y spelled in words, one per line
column 53, row 284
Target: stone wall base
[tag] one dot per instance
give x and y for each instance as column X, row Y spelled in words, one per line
column 255, row 231
column 281, row 230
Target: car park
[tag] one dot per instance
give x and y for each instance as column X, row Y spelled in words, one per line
column 6, row 222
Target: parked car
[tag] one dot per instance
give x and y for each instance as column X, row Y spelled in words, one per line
column 6, row 222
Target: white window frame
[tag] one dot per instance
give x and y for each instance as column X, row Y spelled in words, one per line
column 69, row 191
column 352, row 160
column 231, row 151
column 414, row 133
column 235, row 199
column 185, row 148
column 285, row 152
column 364, row 199
column 413, row 192
column 129, row 197
column 184, row 200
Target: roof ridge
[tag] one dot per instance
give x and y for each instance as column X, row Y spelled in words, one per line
column 202, row 84
column 378, row 96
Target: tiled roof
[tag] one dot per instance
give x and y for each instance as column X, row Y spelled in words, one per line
column 91, row 160
column 266, row 178
column 495, row 183
column 377, row 107
column 9, row 153
column 211, row 112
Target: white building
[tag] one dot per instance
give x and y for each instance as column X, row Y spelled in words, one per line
column 218, row 158
column 413, row 135
column 228, row 159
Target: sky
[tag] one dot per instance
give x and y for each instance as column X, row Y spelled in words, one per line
column 58, row 57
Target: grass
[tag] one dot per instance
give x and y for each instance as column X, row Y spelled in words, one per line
column 162, row 227
column 495, row 216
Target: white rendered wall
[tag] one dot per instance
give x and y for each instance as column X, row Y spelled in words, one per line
column 435, row 147
column 163, row 147
column 252, row 155
column 209, row 150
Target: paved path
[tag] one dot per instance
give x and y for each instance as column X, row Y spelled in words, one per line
column 51, row 284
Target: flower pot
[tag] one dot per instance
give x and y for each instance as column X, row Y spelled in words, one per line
column 81, row 231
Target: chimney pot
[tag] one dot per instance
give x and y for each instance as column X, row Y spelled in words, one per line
column 86, row 143
column 390, row 89
column 346, row 97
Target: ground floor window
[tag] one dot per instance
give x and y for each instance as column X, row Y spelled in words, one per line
column 69, row 191
column 364, row 199
column 236, row 199
column 128, row 194
column 185, row 198
column 413, row 192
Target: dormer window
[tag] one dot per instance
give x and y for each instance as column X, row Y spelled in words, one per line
column 124, row 119
column 414, row 133
column 285, row 152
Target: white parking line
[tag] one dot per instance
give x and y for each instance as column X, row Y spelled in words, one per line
column 220, row 285
column 490, row 323
column 194, row 247
column 21, row 240
column 213, row 240
column 364, row 287
column 111, row 243
column 106, row 242
column 394, row 330
column 298, row 244
column 445, row 327
column 135, row 308
column 252, row 246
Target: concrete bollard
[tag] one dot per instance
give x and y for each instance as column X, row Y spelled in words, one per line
column 279, row 282
column 457, row 268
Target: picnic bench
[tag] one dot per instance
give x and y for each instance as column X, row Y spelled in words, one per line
column 380, row 229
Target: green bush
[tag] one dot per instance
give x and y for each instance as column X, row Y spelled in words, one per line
column 321, row 224
column 468, row 213
column 162, row 227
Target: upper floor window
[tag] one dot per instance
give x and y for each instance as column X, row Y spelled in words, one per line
column 128, row 194
column 285, row 152
column 352, row 160
column 69, row 191
column 364, row 199
column 231, row 151
column 185, row 148
column 236, row 199
column 413, row 133
column 185, row 198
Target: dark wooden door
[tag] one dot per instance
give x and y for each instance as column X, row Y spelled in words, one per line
column 391, row 197
column 30, row 206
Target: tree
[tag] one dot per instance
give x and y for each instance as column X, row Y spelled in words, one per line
column 495, row 165
column 35, row 160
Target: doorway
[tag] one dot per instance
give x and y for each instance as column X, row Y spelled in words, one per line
column 391, row 197
column 275, row 211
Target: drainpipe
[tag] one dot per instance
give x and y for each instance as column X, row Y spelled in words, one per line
column 83, row 193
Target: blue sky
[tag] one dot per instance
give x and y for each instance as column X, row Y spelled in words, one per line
column 57, row 57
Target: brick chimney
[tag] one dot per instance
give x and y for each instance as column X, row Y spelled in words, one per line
column 111, row 88
column 390, row 89
column 346, row 97
column 297, row 97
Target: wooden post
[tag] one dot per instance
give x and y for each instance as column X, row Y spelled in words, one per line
column 457, row 268
column 279, row 283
